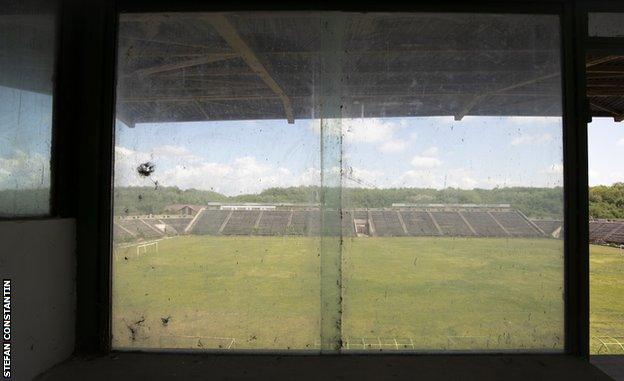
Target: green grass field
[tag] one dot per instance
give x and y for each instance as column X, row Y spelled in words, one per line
column 606, row 300
column 427, row 294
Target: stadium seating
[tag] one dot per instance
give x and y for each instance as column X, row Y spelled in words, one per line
column 515, row 224
column 298, row 223
column 617, row 236
column 148, row 227
column 387, row 223
column 305, row 222
column 241, row 222
column 605, row 231
column 436, row 221
column 418, row 223
column 452, row 224
column 159, row 226
column 139, row 228
column 119, row 234
column 549, row 226
column 331, row 223
column 210, row 221
column 179, row 224
column 483, row 224
column 273, row 222
column 348, row 228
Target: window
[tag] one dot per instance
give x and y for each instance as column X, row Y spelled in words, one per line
column 606, row 210
column 216, row 187
column 338, row 182
column 26, row 66
column 605, row 24
column 606, row 236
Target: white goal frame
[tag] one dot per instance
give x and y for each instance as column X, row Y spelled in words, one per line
column 145, row 246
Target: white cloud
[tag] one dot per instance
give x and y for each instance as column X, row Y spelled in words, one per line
column 375, row 131
column 604, row 178
column 555, row 169
column 392, row 146
column 244, row 174
column 171, row 151
column 438, row 179
column 532, row 139
column 425, row 162
column 23, row 171
column 362, row 177
column 158, row 153
column 501, row 181
column 594, row 177
column 123, row 151
column 620, row 142
column 533, row 120
column 367, row 130
column 431, row 151
column 419, row 179
column 460, row 178
column 428, row 159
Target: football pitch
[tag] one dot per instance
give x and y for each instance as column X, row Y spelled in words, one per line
column 398, row 293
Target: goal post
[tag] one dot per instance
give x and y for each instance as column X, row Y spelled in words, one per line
column 152, row 246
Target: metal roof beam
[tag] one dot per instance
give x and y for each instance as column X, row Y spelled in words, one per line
column 208, row 58
column 231, row 36
column 473, row 102
column 617, row 116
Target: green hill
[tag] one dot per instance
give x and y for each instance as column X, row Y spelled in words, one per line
column 534, row 202
column 604, row 201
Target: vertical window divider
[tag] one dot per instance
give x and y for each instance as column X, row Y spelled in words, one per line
column 331, row 110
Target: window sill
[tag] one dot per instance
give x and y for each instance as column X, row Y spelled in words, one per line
column 132, row 366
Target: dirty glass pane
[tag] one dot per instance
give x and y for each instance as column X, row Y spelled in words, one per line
column 217, row 213
column 605, row 139
column 26, row 66
column 605, row 24
column 338, row 182
column 452, row 183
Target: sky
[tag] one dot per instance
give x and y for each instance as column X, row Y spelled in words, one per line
column 605, row 151
column 238, row 157
column 25, row 136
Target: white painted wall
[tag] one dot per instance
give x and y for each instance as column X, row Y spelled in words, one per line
column 39, row 257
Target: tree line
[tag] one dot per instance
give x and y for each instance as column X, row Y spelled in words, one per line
column 534, row 202
column 604, row 201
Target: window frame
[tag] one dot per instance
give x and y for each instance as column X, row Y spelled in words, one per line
column 58, row 205
column 94, row 239
column 601, row 45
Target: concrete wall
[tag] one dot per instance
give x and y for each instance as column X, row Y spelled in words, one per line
column 39, row 257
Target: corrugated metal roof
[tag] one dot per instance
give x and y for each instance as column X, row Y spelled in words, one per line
column 192, row 67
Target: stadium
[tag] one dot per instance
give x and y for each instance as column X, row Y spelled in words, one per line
column 606, row 232
column 402, row 220
column 264, row 247
column 275, row 180
column 237, row 257
column 401, row 275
